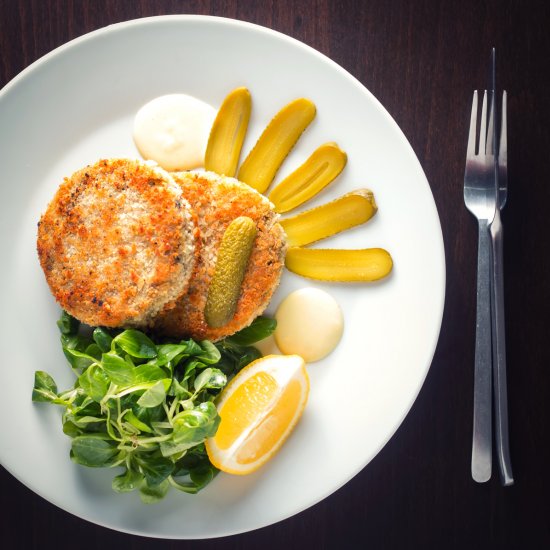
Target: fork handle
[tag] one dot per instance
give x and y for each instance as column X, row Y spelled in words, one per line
column 482, row 435
column 499, row 357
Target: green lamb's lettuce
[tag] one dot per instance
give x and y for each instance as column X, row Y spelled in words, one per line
column 145, row 407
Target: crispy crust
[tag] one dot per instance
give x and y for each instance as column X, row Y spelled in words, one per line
column 117, row 243
column 218, row 200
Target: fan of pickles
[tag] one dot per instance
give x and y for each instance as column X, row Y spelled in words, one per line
column 258, row 170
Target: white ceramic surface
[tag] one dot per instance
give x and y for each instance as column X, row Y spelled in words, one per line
column 75, row 106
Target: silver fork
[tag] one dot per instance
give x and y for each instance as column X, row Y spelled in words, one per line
column 480, row 199
column 499, row 348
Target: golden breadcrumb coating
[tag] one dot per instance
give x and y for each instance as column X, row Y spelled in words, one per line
column 217, row 201
column 117, row 243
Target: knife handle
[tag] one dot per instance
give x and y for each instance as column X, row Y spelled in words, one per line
column 499, row 357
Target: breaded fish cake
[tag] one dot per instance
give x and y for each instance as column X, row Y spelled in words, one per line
column 217, row 201
column 117, row 243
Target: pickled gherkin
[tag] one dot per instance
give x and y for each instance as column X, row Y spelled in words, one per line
column 322, row 167
column 351, row 209
column 228, row 133
column 368, row 264
column 277, row 140
column 225, row 287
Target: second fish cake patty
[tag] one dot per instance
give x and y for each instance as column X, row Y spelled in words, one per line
column 217, row 201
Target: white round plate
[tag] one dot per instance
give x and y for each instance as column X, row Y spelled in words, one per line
column 76, row 105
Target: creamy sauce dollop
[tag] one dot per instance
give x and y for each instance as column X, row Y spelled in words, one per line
column 173, row 131
column 310, row 323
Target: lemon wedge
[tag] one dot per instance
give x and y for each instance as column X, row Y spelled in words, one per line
column 259, row 409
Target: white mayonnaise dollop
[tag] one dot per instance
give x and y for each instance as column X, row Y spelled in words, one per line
column 309, row 323
column 173, row 131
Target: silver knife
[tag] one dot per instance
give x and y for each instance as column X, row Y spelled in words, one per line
column 497, row 290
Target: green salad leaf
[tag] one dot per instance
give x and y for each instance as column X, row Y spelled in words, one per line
column 145, row 407
column 261, row 328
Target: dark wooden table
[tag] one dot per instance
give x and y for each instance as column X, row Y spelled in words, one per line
column 421, row 59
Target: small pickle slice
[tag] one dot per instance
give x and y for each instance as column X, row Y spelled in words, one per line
column 228, row 132
column 351, row 209
column 231, row 263
column 322, row 167
column 277, row 140
column 369, row 264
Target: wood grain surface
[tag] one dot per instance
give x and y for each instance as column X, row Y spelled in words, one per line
column 422, row 59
